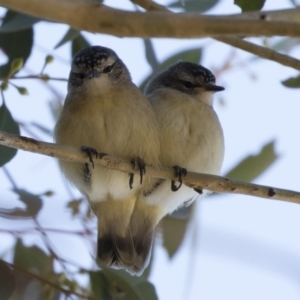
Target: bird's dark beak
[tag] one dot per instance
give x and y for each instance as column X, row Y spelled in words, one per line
column 93, row 74
column 213, row 88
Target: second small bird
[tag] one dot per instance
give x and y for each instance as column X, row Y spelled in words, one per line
column 191, row 137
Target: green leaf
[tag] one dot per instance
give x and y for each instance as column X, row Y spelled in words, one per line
column 22, row 90
column 99, row 285
column 293, row 82
column 121, row 284
column 147, row 289
column 192, row 55
column 68, row 37
column 49, row 59
column 35, row 260
column 118, row 284
column 173, row 231
column 248, row 5
column 150, row 55
column 7, row 281
column 7, row 124
column 32, row 257
column 254, row 165
column 18, row 22
column 15, row 44
column 15, row 66
column 195, row 5
column 4, row 85
column 42, row 128
column 78, row 44
column 33, row 204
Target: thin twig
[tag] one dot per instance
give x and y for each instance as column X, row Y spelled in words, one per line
column 53, row 230
column 195, row 180
column 41, row 77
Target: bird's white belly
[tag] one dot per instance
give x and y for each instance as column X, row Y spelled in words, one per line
column 111, row 183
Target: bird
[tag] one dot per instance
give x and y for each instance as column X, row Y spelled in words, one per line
column 191, row 137
column 105, row 112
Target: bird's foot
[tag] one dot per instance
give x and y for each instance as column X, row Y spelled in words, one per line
column 199, row 191
column 90, row 152
column 180, row 173
column 87, row 173
column 140, row 164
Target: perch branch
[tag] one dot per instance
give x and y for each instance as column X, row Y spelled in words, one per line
column 96, row 17
column 194, row 180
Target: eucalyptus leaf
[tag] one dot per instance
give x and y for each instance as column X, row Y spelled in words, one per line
column 150, row 55
column 248, row 5
column 148, row 290
column 33, row 204
column 79, row 43
column 254, row 165
column 42, row 128
column 15, row 44
column 7, row 281
column 15, row 66
column 32, row 257
column 70, row 35
column 122, row 285
column 7, row 124
column 173, row 232
column 292, row 82
column 191, row 55
column 99, row 285
column 18, row 22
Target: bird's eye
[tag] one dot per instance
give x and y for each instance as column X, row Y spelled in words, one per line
column 188, row 84
column 107, row 69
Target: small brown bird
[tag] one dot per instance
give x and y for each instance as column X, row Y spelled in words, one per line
column 106, row 111
column 191, row 137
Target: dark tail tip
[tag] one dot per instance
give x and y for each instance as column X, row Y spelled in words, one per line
column 105, row 253
column 116, row 252
column 143, row 246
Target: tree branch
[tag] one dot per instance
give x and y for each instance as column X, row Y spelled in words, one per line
column 261, row 51
column 237, row 42
column 194, row 180
column 95, row 17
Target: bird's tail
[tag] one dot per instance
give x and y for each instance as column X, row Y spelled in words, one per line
column 115, row 247
column 142, row 226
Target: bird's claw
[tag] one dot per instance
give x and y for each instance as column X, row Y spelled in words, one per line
column 87, row 173
column 180, row 173
column 199, row 191
column 137, row 162
column 90, row 152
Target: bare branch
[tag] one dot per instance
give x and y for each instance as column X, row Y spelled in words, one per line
column 263, row 52
column 237, row 42
column 95, row 17
column 194, row 180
